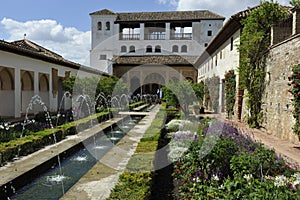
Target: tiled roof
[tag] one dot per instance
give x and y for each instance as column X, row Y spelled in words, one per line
column 162, row 16
column 103, row 12
column 30, row 49
column 31, row 46
column 156, row 60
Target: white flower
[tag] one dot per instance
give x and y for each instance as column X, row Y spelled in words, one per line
column 215, row 177
column 247, row 176
column 280, row 180
column 297, row 179
column 1, row 127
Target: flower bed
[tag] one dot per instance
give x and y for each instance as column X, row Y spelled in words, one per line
column 232, row 167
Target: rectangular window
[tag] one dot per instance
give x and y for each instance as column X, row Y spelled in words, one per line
column 231, row 44
column 209, row 33
column 102, row 57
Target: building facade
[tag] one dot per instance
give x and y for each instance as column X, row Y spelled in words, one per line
column 27, row 69
column 222, row 55
column 140, row 35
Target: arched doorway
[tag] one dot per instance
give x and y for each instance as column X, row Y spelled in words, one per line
column 27, row 88
column 44, row 88
column 135, row 86
column 7, row 96
column 153, row 83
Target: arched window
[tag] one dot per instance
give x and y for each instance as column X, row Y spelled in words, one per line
column 107, row 26
column 123, row 49
column 175, row 48
column 157, row 49
column 132, row 49
column 99, row 26
column 27, row 81
column 149, row 49
column 43, row 83
column 184, row 48
column 6, row 80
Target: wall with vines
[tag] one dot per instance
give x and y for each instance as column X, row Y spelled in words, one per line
column 230, row 92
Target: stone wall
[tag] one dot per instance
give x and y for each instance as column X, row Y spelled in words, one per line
column 277, row 107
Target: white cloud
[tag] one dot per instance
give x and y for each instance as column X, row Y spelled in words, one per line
column 72, row 44
column 225, row 8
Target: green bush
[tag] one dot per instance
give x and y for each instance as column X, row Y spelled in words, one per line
column 136, row 182
column 132, row 186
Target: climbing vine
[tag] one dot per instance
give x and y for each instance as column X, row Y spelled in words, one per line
column 206, row 94
column 255, row 40
column 230, row 90
column 211, row 91
column 295, row 91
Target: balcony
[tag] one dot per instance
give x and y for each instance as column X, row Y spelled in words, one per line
column 129, row 37
column 181, row 36
column 155, row 36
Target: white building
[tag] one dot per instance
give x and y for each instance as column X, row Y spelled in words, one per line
column 221, row 55
column 27, row 69
column 183, row 33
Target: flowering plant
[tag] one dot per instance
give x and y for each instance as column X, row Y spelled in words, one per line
column 234, row 169
column 230, row 90
column 294, row 82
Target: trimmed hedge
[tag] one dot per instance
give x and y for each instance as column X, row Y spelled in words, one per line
column 135, row 105
column 136, row 182
column 37, row 140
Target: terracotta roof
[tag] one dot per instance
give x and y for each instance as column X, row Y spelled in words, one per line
column 156, row 60
column 30, row 49
column 103, row 12
column 162, row 16
column 29, row 45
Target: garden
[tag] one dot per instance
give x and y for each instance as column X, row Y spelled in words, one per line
column 207, row 159
column 43, row 128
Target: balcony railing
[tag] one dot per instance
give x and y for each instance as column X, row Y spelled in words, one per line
column 181, row 36
column 155, row 36
column 129, row 36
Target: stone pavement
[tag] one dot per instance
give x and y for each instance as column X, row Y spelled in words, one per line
column 288, row 151
column 97, row 183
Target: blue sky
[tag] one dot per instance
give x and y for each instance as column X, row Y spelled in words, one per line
column 63, row 26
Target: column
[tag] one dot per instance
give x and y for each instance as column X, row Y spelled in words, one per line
column 168, row 33
column 142, row 31
column 18, row 91
column 36, row 83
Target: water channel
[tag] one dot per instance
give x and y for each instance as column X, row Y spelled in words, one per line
column 53, row 183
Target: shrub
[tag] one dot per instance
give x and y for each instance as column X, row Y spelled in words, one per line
column 132, row 186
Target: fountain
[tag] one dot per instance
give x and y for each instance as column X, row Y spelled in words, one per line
column 36, row 100
column 68, row 170
column 102, row 97
column 83, row 100
column 58, row 115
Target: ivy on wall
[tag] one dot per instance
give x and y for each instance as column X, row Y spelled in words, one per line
column 255, row 40
column 230, row 92
column 295, row 91
column 211, row 91
column 207, row 103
